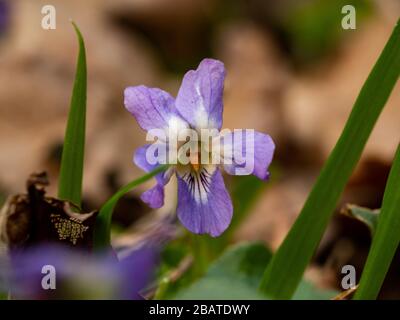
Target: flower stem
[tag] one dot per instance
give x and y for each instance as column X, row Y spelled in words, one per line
column 102, row 232
column 200, row 254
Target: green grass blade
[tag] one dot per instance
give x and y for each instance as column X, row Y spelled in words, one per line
column 285, row 271
column 386, row 239
column 102, row 232
column 71, row 172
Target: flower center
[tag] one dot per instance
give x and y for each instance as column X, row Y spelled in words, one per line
column 193, row 157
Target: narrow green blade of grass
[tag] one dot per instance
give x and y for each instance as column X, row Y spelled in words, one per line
column 102, row 231
column 386, row 239
column 70, row 181
column 284, row 272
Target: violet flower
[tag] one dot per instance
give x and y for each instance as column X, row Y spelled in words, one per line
column 204, row 205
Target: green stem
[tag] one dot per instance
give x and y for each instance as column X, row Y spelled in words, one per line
column 102, row 232
column 162, row 288
column 200, row 254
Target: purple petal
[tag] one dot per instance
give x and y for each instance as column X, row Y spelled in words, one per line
column 207, row 211
column 250, row 152
column 151, row 107
column 154, row 197
column 140, row 158
column 136, row 269
column 199, row 98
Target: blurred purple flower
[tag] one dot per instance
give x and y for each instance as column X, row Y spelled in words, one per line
column 204, row 205
column 79, row 275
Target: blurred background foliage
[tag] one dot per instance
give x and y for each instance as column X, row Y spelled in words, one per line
column 292, row 71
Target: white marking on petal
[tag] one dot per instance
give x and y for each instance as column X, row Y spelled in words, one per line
column 201, row 118
column 175, row 125
column 197, row 87
column 201, row 115
column 168, row 173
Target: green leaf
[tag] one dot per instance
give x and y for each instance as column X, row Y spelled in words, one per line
column 308, row 291
column 367, row 216
column 71, row 172
column 244, row 261
column 235, row 275
column 210, row 288
column 386, row 238
column 285, row 271
column 102, row 231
